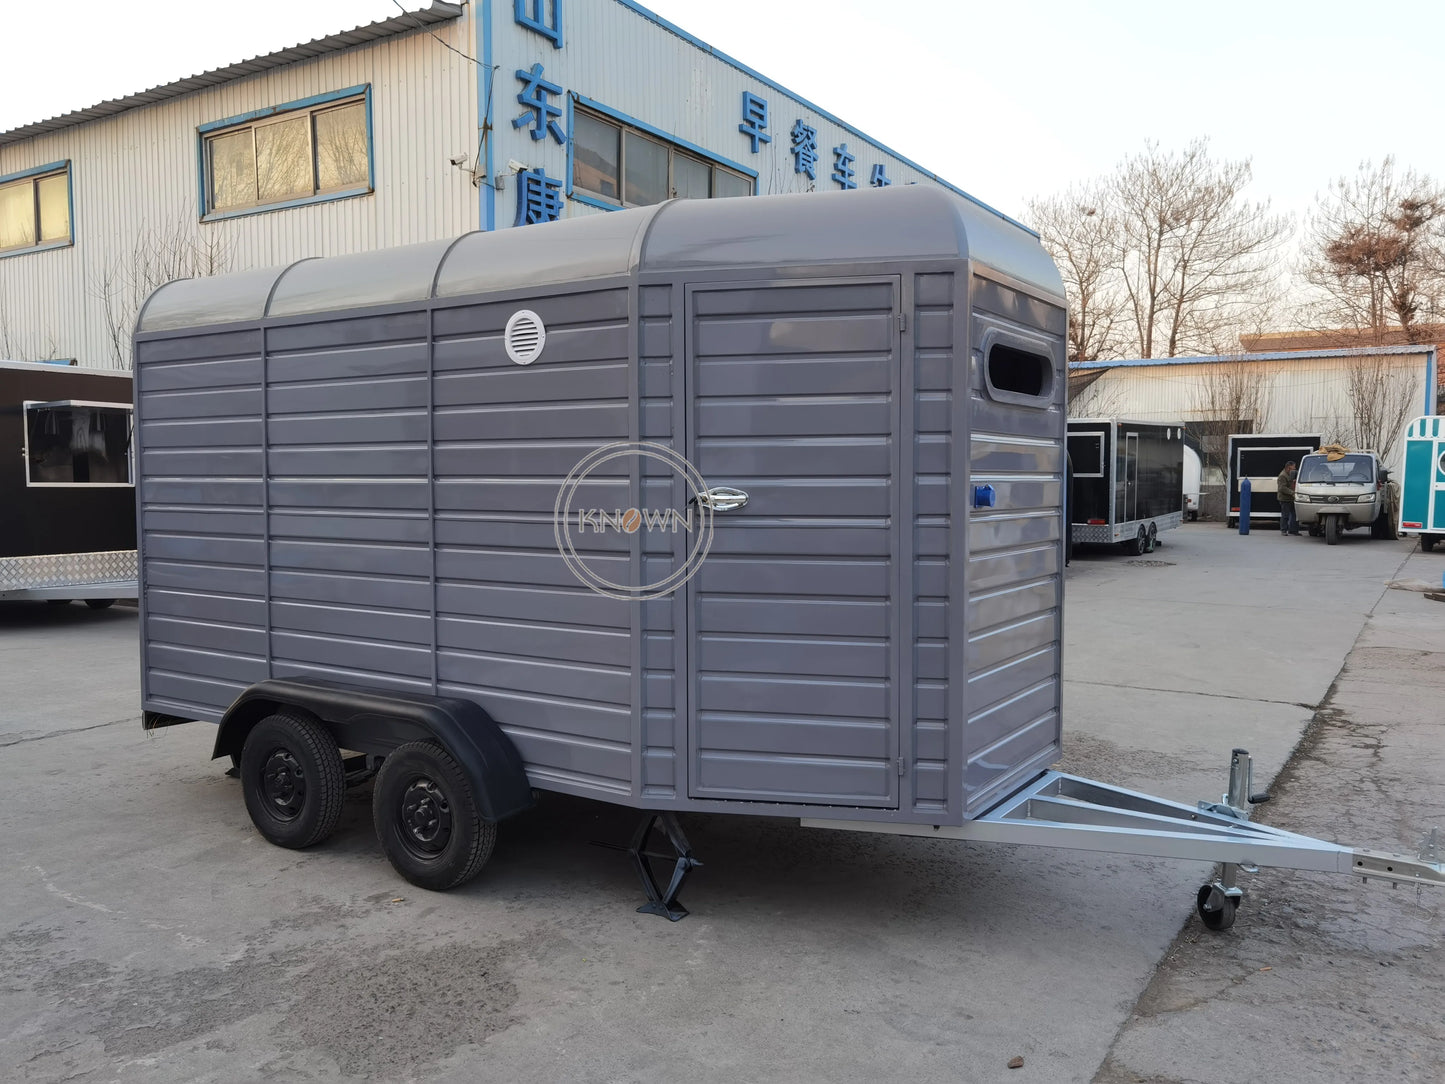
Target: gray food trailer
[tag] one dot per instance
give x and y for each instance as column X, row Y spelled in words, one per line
column 744, row 506
column 1261, row 457
column 1128, row 481
column 66, row 486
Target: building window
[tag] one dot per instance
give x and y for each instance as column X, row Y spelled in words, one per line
column 69, row 443
column 319, row 150
column 35, row 209
column 628, row 167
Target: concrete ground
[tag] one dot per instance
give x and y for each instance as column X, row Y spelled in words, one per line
column 148, row 933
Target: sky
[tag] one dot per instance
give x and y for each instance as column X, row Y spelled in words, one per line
column 1009, row 101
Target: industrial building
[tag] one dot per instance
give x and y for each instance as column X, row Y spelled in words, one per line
column 458, row 117
column 1360, row 397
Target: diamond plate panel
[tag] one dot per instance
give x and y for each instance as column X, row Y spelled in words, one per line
column 65, row 569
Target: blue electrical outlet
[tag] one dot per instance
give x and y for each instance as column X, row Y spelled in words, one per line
column 983, row 496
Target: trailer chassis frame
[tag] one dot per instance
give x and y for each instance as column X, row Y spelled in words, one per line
column 1072, row 813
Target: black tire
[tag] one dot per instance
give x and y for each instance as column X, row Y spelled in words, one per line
column 427, row 820
column 1216, row 910
column 1193, row 516
column 1230, row 522
column 1427, row 543
column 292, row 779
column 1138, row 545
column 1153, row 537
column 1332, row 530
column 100, row 603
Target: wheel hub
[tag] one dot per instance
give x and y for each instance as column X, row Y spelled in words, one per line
column 284, row 784
column 426, row 818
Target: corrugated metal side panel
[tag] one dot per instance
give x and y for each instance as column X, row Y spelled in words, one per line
column 350, row 562
column 202, row 522
column 933, row 367
column 663, row 741
column 1013, row 574
column 135, row 186
column 548, row 657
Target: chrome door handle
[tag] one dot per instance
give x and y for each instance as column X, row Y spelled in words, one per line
column 720, row 499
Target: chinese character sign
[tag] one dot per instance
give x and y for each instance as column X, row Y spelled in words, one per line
column 843, row 167
column 879, row 177
column 805, row 149
column 533, row 15
column 539, row 198
column 755, row 119
column 536, row 96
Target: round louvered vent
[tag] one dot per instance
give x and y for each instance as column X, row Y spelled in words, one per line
column 525, row 337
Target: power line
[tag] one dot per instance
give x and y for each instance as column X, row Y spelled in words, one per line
column 422, row 26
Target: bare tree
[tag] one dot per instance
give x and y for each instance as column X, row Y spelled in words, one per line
column 1232, row 395
column 1193, row 254
column 1093, row 395
column 1080, row 232
column 1375, row 254
column 158, row 255
column 1380, row 404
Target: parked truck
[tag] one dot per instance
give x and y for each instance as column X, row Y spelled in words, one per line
column 745, row 506
column 66, row 484
column 1338, row 490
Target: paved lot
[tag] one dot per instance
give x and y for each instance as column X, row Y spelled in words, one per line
column 147, row 933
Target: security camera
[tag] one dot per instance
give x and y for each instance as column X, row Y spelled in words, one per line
column 516, row 166
column 459, row 159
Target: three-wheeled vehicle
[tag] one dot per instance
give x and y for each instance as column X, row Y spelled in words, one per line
column 1338, row 490
column 1422, row 481
column 1128, row 481
column 66, row 484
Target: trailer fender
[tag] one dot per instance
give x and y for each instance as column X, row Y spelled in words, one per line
column 376, row 721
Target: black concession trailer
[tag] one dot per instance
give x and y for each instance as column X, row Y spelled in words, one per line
column 1128, row 481
column 1261, row 457
column 67, row 484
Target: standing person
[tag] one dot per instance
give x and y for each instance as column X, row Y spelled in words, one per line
column 1284, row 490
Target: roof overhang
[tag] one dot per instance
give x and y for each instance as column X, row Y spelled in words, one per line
column 439, row 12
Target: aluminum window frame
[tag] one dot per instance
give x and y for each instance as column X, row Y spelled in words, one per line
column 599, row 113
column 311, row 108
column 1099, row 435
column 31, row 404
column 35, row 175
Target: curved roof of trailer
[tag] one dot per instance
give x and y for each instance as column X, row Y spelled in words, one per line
column 824, row 228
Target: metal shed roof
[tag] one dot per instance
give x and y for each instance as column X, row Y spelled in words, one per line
column 867, row 226
column 332, row 43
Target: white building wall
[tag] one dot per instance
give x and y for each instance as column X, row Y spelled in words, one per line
column 630, row 63
column 1301, row 394
column 134, row 182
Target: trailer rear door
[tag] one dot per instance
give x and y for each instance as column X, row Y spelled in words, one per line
column 794, row 655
